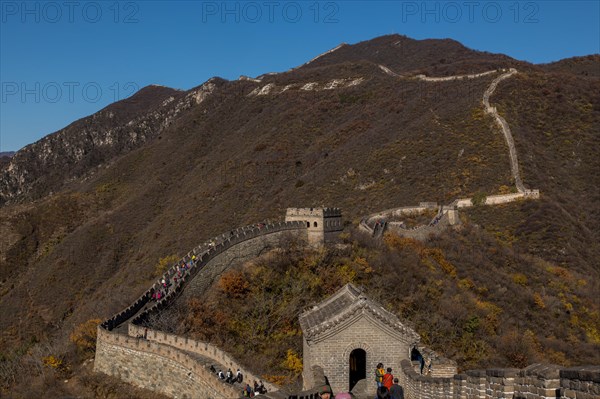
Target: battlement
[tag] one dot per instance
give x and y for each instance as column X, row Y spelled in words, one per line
column 537, row 381
column 323, row 224
column 314, row 212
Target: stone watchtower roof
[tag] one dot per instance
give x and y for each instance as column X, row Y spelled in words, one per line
column 343, row 308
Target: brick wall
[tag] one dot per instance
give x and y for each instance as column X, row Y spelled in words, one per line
column 239, row 253
column 157, row 367
column 202, row 348
column 538, row 381
column 333, row 353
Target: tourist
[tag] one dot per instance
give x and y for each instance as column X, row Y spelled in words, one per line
column 396, row 392
column 248, row 391
column 325, row 392
column 383, row 393
column 229, row 378
column 238, row 376
column 220, row 374
column 388, row 378
column 261, row 387
column 379, row 373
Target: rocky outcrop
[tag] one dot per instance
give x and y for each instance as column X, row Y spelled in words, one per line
column 75, row 151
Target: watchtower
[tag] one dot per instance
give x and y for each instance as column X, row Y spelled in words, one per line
column 347, row 335
column 323, row 224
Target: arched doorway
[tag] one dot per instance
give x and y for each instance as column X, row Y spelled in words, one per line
column 415, row 355
column 358, row 366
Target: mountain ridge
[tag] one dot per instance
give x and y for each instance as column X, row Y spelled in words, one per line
column 398, row 46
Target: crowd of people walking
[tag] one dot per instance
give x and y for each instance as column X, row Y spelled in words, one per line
column 171, row 278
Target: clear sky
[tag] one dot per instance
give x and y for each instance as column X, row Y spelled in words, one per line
column 62, row 60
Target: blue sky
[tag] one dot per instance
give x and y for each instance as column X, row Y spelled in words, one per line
column 63, row 60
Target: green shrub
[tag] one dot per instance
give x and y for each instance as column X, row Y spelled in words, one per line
column 479, row 198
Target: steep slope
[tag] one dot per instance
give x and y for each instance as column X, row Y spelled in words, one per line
column 73, row 152
column 554, row 119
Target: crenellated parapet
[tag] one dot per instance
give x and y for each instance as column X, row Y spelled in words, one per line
column 538, row 381
column 197, row 258
column 323, row 224
column 158, row 367
column 314, row 212
column 168, row 363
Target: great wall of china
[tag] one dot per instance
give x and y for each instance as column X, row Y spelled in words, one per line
column 176, row 366
column 377, row 223
column 179, row 367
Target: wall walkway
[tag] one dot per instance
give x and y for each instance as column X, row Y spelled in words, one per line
column 166, row 363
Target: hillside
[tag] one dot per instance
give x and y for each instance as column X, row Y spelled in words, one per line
column 583, row 66
column 73, row 152
column 338, row 131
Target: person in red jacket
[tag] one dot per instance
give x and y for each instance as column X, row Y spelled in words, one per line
column 388, row 379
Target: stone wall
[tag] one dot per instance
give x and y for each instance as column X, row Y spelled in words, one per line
column 204, row 253
column 580, row 383
column 501, row 122
column 333, row 353
column 166, row 363
column 204, row 349
column 499, row 199
column 157, row 367
column 323, row 224
column 421, row 233
column 239, row 253
column 367, row 223
column 538, row 381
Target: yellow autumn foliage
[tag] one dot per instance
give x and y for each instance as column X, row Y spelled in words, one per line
column 84, row 335
column 163, row 264
column 52, row 362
